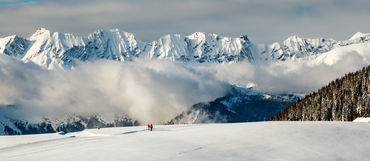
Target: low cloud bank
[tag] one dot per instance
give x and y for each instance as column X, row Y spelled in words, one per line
column 286, row 77
column 149, row 91
column 146, row 91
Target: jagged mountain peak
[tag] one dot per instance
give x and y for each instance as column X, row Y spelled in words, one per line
column 197, row 35
column 107, row 32
column 203, row 36
column 111, row 44
column 245, row 37
column 199, row 47
column 360, row 36
column 66, row 39
column 296, row 38
column 112, row 35
column 114, row 30
column 41, row 32
column 293, row 38
column 295, row 47
column 357, row 35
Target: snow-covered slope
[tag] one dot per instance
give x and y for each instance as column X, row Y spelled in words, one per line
column 112, row 44
column 13, row 46
column 50, row 49
column 362, row 119
column 304, row 141
column 295, row 47
column 361, row 50
column 7, row 124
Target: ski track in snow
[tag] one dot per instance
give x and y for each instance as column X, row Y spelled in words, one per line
column 272, row 141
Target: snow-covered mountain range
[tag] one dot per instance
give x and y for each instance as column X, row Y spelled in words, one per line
column 53, row 49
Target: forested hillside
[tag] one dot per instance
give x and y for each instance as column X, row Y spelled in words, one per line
column 343, row 99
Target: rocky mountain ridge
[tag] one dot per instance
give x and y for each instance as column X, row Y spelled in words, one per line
column 54, row 49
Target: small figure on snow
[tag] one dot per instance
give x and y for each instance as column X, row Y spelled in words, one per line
column 151, row 127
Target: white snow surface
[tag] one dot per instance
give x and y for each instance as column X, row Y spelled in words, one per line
column 362, row 119
column 273, row 141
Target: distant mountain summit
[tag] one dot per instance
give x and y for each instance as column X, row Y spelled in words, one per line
column 343, row 99
column 54, row 49
column 239, row 105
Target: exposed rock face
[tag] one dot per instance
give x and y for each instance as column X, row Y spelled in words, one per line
column 342, row 100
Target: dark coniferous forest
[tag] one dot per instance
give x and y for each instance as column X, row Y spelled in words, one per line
column 343, row 99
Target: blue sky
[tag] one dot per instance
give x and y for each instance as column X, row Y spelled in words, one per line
column 264, row 21
column 16, row 2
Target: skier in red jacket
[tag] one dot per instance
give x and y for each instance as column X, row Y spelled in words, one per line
column 148, row 127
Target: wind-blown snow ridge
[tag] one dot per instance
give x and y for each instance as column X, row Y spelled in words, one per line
column 52, row 49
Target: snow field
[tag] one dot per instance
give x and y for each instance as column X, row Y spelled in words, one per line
column 244, row 141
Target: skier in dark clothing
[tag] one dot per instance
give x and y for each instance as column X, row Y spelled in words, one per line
column 151, row 127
